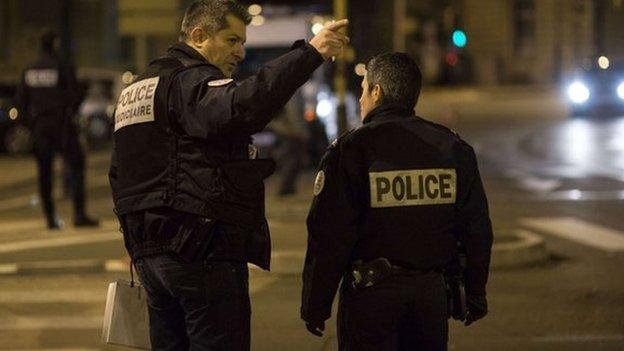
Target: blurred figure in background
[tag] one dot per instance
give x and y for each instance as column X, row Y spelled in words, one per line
column 292, row 135
column 317, row 141
column 48, row 95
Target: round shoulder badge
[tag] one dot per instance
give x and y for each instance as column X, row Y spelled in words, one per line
column 319, row 183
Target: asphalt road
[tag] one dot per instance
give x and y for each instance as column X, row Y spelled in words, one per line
column 559, row 178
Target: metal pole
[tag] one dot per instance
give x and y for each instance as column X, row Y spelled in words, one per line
column 340, row 79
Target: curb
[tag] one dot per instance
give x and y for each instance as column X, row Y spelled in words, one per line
column 528, row 249
column 64, row 267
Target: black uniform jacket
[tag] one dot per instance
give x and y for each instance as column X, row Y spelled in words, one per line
column 398, row 187
column 199, row 162
column 47, row 96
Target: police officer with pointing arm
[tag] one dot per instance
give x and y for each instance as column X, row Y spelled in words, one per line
column 391, row 201
column 187, row 186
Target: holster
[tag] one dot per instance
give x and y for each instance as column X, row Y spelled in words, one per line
column 370, row 273
column 456, row 287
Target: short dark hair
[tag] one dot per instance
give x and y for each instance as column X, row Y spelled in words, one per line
column 398, row 76
column 211, row 16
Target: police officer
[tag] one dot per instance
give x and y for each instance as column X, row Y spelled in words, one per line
column 186, row 183
column 48, row 96
column 391, row 200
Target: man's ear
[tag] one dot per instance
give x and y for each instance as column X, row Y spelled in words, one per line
column 198, row 36
column 377, row 93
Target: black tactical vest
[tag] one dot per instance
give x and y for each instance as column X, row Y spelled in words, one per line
column 158, row 165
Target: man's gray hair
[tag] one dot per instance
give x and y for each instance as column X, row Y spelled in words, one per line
column 210, row 15
column 398, row 76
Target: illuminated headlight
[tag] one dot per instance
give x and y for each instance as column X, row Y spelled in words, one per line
column 620, row 90
column 578, row 92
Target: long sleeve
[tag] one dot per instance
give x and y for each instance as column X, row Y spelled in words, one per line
column 212, row 105
column 475, row 228
column 332, row 232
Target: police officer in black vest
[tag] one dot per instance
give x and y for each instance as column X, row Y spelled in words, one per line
column 392, row 199
column 48, row 97
column 187, row 185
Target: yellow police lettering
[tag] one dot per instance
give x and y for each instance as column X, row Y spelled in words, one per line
column 413, row 187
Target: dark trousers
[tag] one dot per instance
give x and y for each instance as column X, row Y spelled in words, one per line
column 45, row 149
column 196, row 306
column 406, row 312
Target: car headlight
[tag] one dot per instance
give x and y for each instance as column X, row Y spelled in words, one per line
column 578, row 92
column 620, row 90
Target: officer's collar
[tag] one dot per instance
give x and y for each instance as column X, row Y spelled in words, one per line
column 184, row 49
column 386, row 111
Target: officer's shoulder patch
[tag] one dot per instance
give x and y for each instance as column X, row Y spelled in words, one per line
column 220, row 82
column 319, row 182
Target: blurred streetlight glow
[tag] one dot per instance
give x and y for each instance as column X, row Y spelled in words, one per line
column 316, row 28
column 254, row 9
column 324, row 108
column 578, row 92
column 603, row 62
column 360, row 69
column 127, row 77
column 13, row 113
column 257, row 20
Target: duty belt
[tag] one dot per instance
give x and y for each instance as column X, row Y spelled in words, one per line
column 373, row 272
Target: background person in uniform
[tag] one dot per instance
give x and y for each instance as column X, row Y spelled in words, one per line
column 392, row 198
column 186, row 186
column 48, row 95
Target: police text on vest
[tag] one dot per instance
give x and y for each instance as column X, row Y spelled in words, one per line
column 413, row 187
column 136, row 103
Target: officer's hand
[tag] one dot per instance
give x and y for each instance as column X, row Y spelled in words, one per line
column 477, row 308
column 316, row 328
column 329, row 41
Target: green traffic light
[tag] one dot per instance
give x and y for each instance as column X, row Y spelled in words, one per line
column 459, row 38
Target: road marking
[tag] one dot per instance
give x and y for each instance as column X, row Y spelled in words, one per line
column 53, row 296
column 52, row 323
column 578, row 338
column 580, row 231
column 533, row 183
column 89, row 238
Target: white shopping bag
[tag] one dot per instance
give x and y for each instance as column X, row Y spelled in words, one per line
column 126, row 321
